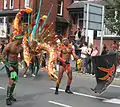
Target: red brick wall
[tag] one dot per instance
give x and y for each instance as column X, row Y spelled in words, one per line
column 106, row 42
column 1, row 4
column 45, row 9
column 22, row 4
column 66, row 13
column 16, row 4
column 33, row 4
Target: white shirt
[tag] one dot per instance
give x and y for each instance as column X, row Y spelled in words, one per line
column 89, row 51
column 72, row 58
column 83, row 52
column 94, row 53
column 76, row 36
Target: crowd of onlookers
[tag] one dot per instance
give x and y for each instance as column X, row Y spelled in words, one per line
column 86, row 51
column 2, row 45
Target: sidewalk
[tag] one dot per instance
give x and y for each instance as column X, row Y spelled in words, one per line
column 118, row 72
column 73, row 65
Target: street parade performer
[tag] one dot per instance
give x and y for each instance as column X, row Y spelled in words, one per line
column 10, row 54
column 34, row 63
column 64, row 56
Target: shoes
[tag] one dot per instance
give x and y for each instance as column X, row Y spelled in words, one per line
column 93, row 90
column 8, row 101
column 33, row 75
column 12, row 98
column 25, row 76
column 56, row 92
column 68, row 91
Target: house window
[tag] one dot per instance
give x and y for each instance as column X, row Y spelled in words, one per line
column 60, row 7
column 26, row 3
column 11, row 4
column 5, row 4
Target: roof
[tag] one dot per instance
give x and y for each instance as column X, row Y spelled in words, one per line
column 80, row 4
column 9, row 12
column 60, row 19
column 76, row 4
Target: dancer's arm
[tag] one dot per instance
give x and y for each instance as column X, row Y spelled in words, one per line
column 74, row 55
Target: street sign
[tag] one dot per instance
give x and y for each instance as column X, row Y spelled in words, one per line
column 93, row 15
column 94, row 20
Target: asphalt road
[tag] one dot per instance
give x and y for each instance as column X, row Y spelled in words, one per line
column 39, row 92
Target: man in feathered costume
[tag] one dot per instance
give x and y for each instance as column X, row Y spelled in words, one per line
column 10, row 55
column 64, row 56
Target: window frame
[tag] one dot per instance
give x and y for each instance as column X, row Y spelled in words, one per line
column 5, row 4
column 26, row 3
column 11, row 4
column 61, row 8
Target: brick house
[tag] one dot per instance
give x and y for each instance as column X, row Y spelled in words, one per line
column 64, row 15
column 59, row 15
column 9, row 8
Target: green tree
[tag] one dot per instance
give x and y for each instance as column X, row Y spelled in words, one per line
column 112, row 16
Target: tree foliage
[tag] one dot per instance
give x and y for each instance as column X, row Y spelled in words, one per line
column 112, row 16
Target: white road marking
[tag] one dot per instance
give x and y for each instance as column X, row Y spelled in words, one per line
column 113, row 101
column 60, row 104
column 82, row 94
column 116, row 86
column 2, row 88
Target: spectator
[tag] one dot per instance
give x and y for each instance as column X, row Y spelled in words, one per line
column 89, row 52
column 77, row 35
column 84, row 57
column 105, row 51
column 119, row 46
column 114, row 46
column 77, row 52
column 1, row 47
column 95, row 52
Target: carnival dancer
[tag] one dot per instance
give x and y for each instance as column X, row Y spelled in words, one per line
column 10, row 54
column 64, row 56
column 33, row 68
column 34, row 64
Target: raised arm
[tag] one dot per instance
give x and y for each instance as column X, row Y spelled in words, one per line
column 5, row 52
